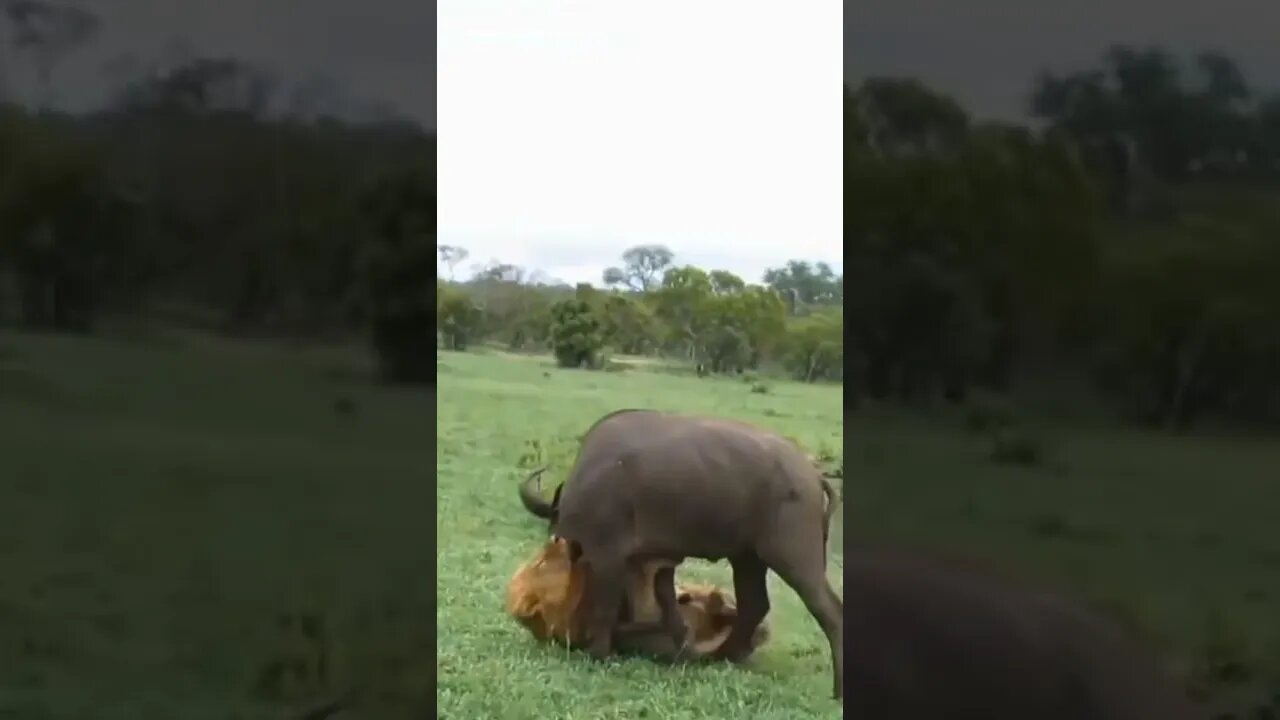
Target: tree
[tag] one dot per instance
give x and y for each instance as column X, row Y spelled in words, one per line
column 629, row 325
column 67, row 231
column 576, row 333
column 895, row 116
column 48, row 32
column 451, row 256
column 717, row 319
column 1138, row 113
column 498, row 272
column 801, row 283
column 642, row 268
column 458, row 318
column 1224, row 83
column 515, row 312
column 965, row 254
column 200, row 87
column 399, row 263
column 1194, row 306
column 741, row 325
column 723, row 343
column 814, row 347
column 681, row 304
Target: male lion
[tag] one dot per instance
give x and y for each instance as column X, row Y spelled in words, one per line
column 546, row 593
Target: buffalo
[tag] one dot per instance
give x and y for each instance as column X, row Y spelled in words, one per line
column 942, row 638
column 652, row 486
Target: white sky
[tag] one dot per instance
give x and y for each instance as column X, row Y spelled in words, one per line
column 570, row 130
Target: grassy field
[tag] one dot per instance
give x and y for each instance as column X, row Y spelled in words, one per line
column 199, row 529
column 498, row 413
column 190, row 530
column 1176, row 537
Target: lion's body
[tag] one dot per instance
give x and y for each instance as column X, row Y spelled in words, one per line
column 546, row 593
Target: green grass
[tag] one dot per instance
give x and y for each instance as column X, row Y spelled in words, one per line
column 492, row 408
column 165, row 503
column 1175, row 536
column 167, row 499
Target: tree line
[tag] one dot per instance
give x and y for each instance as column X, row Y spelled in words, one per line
column 1132, row 237
column 207, row 193
column 649, row 305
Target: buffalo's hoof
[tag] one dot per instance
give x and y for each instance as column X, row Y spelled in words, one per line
column 735, row 655
column 599, row 653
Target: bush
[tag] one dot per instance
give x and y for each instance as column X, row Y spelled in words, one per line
column 457, row 317
column 814, row 347
column 577, row 337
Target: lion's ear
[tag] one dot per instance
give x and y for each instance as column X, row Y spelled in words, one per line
column 715, row 603
column 684, row 598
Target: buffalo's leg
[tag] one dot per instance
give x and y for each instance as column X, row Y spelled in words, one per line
column 805, row 575
column 752, row 594
column 664, row 590
column 605, row 581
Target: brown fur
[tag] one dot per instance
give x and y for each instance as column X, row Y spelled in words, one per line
column 545, row 595
column 942, row 639
column 650, row 485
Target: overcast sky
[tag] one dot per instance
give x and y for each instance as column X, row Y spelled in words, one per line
column 373, row 50
column 570, row 130
column 986, row 52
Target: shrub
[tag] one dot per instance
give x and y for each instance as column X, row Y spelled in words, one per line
column 457, row 317
column 814, row 348
column 576, row 334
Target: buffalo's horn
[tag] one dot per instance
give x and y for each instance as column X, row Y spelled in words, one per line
column 532, row 501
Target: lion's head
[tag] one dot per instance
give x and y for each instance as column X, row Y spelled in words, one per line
column 545, row 593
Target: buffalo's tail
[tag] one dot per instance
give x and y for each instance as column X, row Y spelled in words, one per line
column 830, row 492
